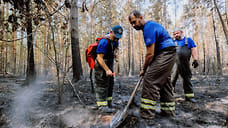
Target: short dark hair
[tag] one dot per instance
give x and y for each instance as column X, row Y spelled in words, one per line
column 136, row 13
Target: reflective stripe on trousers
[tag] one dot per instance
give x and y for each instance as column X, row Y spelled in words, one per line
column 189, row 95
column 102, row 103
column 109, row 98
column 167, row 106
column 148, row 104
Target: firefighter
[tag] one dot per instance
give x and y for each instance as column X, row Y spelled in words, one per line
column 159, row 60
column 185, row 49
column 104, row 79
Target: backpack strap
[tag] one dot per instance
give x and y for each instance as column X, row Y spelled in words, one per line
column 109, row 41
column 185, row 41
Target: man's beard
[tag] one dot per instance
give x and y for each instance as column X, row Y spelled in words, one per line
column 137, row 27
column 178, row 38
column 140, row 27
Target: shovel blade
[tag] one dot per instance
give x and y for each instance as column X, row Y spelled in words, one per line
column 118, row 118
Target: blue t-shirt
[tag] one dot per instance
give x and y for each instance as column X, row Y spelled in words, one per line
column 156, row 33
column 191, row 43
column 103, row 46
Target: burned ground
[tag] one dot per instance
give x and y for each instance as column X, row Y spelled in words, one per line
column 35, row 106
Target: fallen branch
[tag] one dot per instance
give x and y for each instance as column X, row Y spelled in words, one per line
column 74, row 91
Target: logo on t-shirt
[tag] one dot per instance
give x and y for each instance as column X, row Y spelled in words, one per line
column 148, row 40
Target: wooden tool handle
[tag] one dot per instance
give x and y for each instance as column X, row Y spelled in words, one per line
column 133, row 93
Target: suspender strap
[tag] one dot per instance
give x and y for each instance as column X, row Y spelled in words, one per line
column 186, row 41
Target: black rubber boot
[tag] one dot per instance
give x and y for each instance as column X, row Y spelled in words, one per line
column 190, row 99
column 106, row 109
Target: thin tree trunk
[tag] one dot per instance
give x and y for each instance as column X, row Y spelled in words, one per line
column 6, row 49
column 61, row 48
column 222, row 22
column 164, row 14
column 211, row 41
column 109, row 11
column 1, row 37
column 217, row 47
column 132, row 54
column 14, row 58
column 60, row 87
column 204, row 56
column 56, row 60
column 92, row 20
column 20, row 68
column 46, row 39
column 36, row 52
column 76, row 58
column 196, row 29
column 129, row 51
column 175, row 13
column 141, row 51
column 6, row 59
column 226, row 11
column 1, row 58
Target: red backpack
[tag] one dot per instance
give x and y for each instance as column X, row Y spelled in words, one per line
column 91, row 52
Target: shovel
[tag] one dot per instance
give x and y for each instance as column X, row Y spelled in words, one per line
column 120, row 116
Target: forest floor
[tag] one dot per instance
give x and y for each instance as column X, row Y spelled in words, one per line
column 35, row 106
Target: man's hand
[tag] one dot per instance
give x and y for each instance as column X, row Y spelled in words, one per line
column 142, row 73
column 195, row 64
column 109, row 73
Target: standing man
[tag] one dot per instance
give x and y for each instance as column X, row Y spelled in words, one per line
column 104, row 68
column 159, row 60
column 185, row 48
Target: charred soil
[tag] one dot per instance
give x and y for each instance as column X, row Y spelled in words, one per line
column 35, row 106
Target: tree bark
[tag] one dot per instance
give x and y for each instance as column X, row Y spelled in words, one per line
column 222, row 22
column 1, row 37
column 129, row 50
column 76, row 58
column 217, row 47
column 132, row 53
column 175, row 13
column 21, row 56
column 196, row 28
column 204, row 56
column 46, row 51
column 165, row 14
column 141, row 51
column 6, row 36
column 14, row 53
column 226, row 11
column 30, row 74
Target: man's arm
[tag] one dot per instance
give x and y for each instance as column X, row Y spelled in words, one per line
column 194, row 53
column 103, row 64
column 148, row 58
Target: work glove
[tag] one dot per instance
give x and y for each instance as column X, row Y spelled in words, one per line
column 195, row 64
